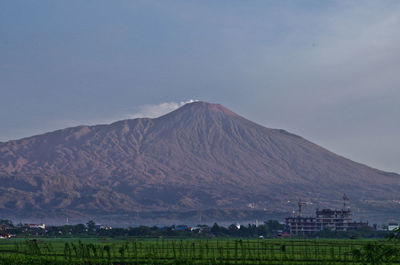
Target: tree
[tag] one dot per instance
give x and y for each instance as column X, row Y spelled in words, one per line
column 91, row 226
column 218, row 230
column 375, row 254
column 7, row 223
column 79, row 229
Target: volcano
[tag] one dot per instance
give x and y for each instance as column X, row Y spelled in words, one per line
column 200, row 157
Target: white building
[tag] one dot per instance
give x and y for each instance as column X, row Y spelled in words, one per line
column 392, row 226
column 42, row 226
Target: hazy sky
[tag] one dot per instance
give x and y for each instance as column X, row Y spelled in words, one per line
column 326, row 70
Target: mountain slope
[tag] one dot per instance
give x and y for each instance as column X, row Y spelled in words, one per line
column 201, row 156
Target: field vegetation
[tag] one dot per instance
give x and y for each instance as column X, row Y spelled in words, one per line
column 264, row 244
column 198, row 251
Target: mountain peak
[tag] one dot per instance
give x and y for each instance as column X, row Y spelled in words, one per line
column 202, row 106
column 200, row 156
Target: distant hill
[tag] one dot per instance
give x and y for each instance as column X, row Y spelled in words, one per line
column 200, row 157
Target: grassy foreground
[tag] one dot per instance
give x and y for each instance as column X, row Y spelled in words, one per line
column 197, row 251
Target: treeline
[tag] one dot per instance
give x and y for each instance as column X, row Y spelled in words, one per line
column 271, row 228
column 268, row 229
column 361, row 232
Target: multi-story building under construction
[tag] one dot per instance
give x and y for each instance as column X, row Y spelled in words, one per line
column 334, row 220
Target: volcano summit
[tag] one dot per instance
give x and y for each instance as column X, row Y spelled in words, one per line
column 200, row 157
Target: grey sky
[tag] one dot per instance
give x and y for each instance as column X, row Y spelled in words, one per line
column 326, row 70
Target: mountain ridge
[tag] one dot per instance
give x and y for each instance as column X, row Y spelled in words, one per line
column 198, row 157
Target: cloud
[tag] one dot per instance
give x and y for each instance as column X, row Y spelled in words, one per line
column 154, row 111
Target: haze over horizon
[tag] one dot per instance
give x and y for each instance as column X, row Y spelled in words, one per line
column 327, row 71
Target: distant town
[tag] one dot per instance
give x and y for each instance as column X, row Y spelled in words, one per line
column 328, row 223
column 295, row 227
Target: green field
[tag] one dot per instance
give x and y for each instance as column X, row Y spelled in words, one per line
column 197, row 251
